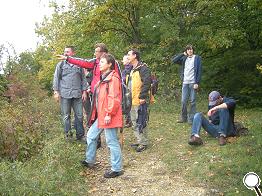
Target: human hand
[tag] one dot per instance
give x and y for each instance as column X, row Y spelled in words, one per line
column 185, row 53
column 195, row 86
column 211, row 111
column 61, row 57
column 84, row 96
column 107, row 119
column 56, row 96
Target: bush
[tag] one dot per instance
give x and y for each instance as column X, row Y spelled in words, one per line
column 26, row 119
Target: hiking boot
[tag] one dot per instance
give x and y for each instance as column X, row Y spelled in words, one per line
column 195, row 141
column 127, row 125
column 134, row 145
column 141, row 148
column 112, row 174
column 81, row 140
column 69, row 136
column 222, row 140
column 88, row 165
column 181, row 121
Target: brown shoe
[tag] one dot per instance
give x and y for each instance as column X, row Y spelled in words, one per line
column 222, row 140
column 195, row 141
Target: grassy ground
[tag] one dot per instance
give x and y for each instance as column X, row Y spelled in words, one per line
column 56, row 170
column 221, row 168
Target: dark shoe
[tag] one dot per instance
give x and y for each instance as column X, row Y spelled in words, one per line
column 195, row 141
column 112, row 174
column 134, row 145
column 181, row 121
column 127, row 125
column 69, row 136
column 88, row 165
column 222, row 140
column 141, row 148
column 81, row 140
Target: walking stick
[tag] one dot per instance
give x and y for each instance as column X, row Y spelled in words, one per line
column 121, row 138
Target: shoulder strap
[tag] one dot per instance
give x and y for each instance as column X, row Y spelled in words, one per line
column 61, row 69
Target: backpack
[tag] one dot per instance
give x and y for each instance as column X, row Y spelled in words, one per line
column 154, row 82
column 240, row 129
column 126, row 93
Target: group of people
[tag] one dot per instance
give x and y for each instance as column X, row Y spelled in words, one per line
column 104, row 90
column 96, row 85
column 220, row 122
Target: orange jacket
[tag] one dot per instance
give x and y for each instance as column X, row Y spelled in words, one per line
column 109, row 102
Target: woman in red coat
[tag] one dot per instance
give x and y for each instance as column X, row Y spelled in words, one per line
column 106, row 115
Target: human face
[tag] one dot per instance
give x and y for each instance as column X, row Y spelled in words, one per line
column 190, row 52
column 104, row 66
column 98, row 53
column 131, row 57
column 125, row 60
column 69, row 52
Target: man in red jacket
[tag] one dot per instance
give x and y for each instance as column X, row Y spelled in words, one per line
column 91, row 64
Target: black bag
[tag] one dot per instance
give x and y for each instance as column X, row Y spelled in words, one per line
column 240, row 129
column 126, row 99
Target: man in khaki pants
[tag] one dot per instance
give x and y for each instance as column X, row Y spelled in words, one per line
column 139, row 82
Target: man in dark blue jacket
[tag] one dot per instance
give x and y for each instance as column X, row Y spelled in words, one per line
column 221, row 120
column 190, row 75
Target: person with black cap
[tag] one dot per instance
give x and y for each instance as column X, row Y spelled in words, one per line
column 221, row 120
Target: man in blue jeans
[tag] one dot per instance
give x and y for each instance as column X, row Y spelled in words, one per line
column 221, row 120
column 70, row 86
column 190, row 75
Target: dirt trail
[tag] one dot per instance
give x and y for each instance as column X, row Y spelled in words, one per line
column 144, row 174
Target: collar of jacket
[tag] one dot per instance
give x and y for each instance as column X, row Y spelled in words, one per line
column 140, row 64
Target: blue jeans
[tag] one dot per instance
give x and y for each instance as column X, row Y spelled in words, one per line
column 112, row 143
column 225, row 126
column 188, row 92
column 76, row 104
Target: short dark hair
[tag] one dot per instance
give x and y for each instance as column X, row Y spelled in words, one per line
column 72, row 48
column 102, row 47
column 110, row 59
column 136, row 52
column 189, row 46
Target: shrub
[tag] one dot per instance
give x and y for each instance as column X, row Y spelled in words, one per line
column 26, row 119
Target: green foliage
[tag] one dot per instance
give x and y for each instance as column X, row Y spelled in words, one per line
column 26, row 119
column 240, row 76
column 161, row 29
column 54, row 170
column 28, row 61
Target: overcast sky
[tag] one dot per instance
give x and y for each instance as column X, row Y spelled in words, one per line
column 17, row 20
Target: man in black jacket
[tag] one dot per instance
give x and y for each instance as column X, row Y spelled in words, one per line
column 139, row 82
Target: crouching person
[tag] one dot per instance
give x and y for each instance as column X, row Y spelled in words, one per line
column 106, row 115
column 221, row 117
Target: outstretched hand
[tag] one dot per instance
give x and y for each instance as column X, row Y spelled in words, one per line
column 61, row 57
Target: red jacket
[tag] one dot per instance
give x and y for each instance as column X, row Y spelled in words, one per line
column 90, row 64
column 109, row 102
